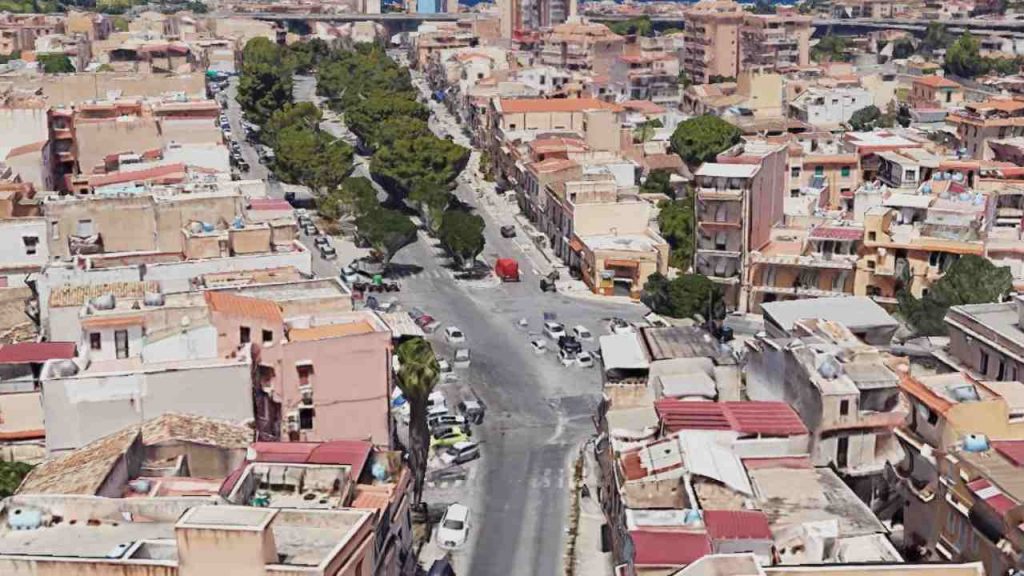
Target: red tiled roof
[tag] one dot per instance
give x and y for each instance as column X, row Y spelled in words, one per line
column 737, row 525
column 936, row 82
column 764, row 418
column 1012, row 450
column 992, row 496
column 671, row 548
column 526, row 105
column 236, row 305
column 122, row 177
column 27, row 352
column 836, row 233
column 353, row 453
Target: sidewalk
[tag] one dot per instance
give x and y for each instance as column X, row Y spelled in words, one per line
column 590, row 561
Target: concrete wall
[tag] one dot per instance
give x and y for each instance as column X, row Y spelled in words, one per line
column 16, row 237
column 108, row 342
column 194, row 344
column 126, row 224
column 85, row 407
column 20, row 126
column 623, row 217
column 767, row 197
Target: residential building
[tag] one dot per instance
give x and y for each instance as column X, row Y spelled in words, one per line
column 829, row 109
column 652, row 78
column 978, row 123
column 775, row 42
column 22, row 431
column 987, row 340
column 712, row 40
column 860, row 315
column 749, row 565
column 739, row 199
column 936, row 91
column 580, row 46
column 842, row 389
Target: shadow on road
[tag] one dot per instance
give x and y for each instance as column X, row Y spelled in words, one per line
column 396, row 270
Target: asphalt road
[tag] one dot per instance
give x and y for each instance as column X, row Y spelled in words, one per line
column 538, row 412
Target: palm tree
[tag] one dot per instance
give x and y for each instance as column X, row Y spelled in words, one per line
column 418, row 373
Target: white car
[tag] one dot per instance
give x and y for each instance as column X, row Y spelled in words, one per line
column 566, row 357
column 454, row 335
column 620, row 326
column 585, row 360
column 581, row 333
column 454, row 527
column 461, row 358
column 436, row 401
column 445, row 368
column 539, row 346
column 554, row 330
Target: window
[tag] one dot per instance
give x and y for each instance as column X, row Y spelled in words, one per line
column 95, row 341
column 304, row 371
column 933, row 259
column 933, row 417
column 84, row 228
column 121, row 343
column 842, row 447
column 819, row 170
column 794, row 171
column 306, row 418
column 1001, row 371
column 872, row 236
column 845, row 171
column 244, row 335
column 268, row 336
column 31, row 244
column 844, row 407
column 984, row 363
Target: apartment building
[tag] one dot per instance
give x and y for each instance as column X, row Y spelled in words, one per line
column 872, row 9
column 739, row 199
column 653, row 78
column 775, row 42
column 843, row 391
column 912, row 238
column 978, row 123
column 711, row 41
column 580, row 46
column 935, row 91
column 18, row 32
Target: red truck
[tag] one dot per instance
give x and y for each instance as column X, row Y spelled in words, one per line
column 507, row 269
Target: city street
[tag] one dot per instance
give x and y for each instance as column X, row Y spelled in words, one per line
column 538, row 412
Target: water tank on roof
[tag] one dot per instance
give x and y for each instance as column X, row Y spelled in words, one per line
column 208, row 227
column 926, row 188
column 65, row 368
column 379, row 472
column 153, row 299
column 975, row 443
column 119, row 550
column 195, row 227
column 104, row 302
column 237, row 223
column 939, row 176
column 25, row 519
column 965, row 394
column 691, row 516
column 979, row 199
column 829, row 368
column 958, row 177
column 139, row 486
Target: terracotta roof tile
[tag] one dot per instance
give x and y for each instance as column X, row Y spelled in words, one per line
column 936, row 82
column 235, row 305
column 29, row 352
column 737, row 525
column 79, row 294
column 168, row 172
column 26, row 149
column 329, row 331
column 761, row 418
column 669, row 548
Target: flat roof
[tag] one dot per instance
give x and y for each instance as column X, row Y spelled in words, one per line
column 623, row 352
column 626, row 242
column 716, row 169
column 854, row 312
column 228, row 516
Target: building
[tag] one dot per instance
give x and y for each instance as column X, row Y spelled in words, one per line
column 579, row 46
column 739, row 199
column 775, row 42
column 652, row 78
column 987, row 340
column 829, row 109
column 860, row 315
column 935, row 91
column 842, row 389
column 977, row 123
column 712, row 39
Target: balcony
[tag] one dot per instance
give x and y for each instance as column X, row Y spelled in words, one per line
column 708, row 193
column 814, row 260
column 799, row 291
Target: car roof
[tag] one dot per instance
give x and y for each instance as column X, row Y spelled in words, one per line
column 464, row 444
column 457, row 512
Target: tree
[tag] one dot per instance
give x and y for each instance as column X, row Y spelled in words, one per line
column 719, row 79
column 867, row 118
column 462, row 235
column 11, row 475
column 431, row 200
column 763, row 7
column 304, row 115
column 964, row 59
column 55, row 64
column 658, row 182
column 418, row 374
column 935, row 38
column 265, row 85
column 703, row 138
column 830, row 49
column 640, row 26
column 902, row 48
column 427, row 160
column 388, row 231
column 970, row 280
column 676, row 222
column 684, row 296
column 311, row 158
column 367, row 119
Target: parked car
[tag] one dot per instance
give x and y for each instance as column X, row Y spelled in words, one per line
column 416, row 314
column 620, row 326
column 508, row 231
column 437, row 399
column 453, row 335
column 310, row 230
column 447, row 420
column 472, row 410
column 445, row 368
column 321, row 241
column 348, row 275
column 454, row 527
column 554, row 330
column 461, row 453
column 581, row 333
column 566, row 357
column 539, row 346
column 328, row 252
column 444, row 437
column 585, row 360
column 427, row 323
column 461, row 358
column 569, row 344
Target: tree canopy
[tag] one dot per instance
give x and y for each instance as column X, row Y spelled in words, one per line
column 683, row 296
column 265, row 85
column 418, row 374
column 970, row 280
column 830, row 49
column 658, row 182
column 640, row 26
column 387, row 231
column 964, row 59
column 676, row 221
column 869, row 118
column 311, row 158
column 701, row 139
column 348, row 77
column 55, row 64
column 462, row 235
column 387, row 118
column 11, row 475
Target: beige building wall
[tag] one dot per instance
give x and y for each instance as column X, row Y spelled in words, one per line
column 611, row 218
column 21, row 126
column 763, row 92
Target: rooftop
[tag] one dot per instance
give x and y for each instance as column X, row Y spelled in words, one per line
column 624, row 242
column 243, row 306
column 855, row 312
column 36, row 352
column 754, row 418
column 547, row 105
column 715, row 169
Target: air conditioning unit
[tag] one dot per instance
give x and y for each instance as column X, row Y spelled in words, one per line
column 307, row 394
column 293, row 421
